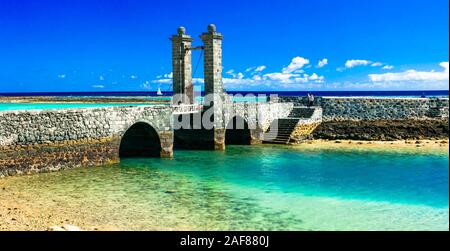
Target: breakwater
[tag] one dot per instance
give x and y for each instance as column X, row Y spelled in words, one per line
column 368, row 118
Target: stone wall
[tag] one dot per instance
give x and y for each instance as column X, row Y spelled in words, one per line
column 381, row 108
column 365, row 118
column 43, row 140
column 383, row 130
column 259, row 116
column 364, row 108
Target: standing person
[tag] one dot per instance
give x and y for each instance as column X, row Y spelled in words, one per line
column 310, row 99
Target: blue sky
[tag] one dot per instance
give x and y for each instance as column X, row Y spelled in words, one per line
column 118, row 45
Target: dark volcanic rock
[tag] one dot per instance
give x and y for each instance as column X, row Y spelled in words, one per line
column 383, row 130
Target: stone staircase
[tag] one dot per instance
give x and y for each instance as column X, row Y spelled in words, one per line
column 281, row 134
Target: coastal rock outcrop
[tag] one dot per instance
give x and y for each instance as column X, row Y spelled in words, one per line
column 383, row 129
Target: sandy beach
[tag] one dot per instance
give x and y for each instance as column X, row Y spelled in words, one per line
column 440, row 145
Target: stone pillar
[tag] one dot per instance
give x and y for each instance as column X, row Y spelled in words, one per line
column 182, row 68
column 212, row 41
column 166, row 139
column 214, row 92
column 219, row 139
column 256, row 136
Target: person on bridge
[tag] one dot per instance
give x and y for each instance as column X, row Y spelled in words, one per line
column 310, row 99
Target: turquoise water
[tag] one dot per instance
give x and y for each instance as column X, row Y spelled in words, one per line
column 198, row 98
column 45, row 106
column 256, row 188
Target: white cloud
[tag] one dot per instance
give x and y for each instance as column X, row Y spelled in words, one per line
column 231, row 72
column 257, row 77
column 168, row 75
column 256, row 69
column 236, row 81
column 238, row 75
column 295, row 66
column 388, row 67
column 198, row 80
column 146, row 85
column 413, row 75
column 98, row 86
column 356, row 62
column 290, row 75
column 376, row 64
column 62, row 76
column 260, row 68
column 316, row 77
column 162, row 81
column 101, row 78
column 322, row 63
column 133, row 77
column 289, row 78
column 280, row 76
column 413, row 80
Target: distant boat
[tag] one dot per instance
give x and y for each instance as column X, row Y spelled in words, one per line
column 159, row 93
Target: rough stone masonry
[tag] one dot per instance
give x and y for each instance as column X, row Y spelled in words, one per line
column 47, row 140
column 370, row 118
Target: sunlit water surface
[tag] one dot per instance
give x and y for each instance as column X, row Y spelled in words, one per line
column 46, row 106
column 256, row 188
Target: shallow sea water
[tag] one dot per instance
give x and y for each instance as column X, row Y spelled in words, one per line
column 253, row 188
column 46, row 106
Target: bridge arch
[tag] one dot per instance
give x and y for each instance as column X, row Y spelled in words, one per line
column 238, row 132
column 140, row 140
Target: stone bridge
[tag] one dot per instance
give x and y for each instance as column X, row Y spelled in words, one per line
column 47, row 140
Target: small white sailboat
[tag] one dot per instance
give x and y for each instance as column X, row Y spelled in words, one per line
column 159, row 93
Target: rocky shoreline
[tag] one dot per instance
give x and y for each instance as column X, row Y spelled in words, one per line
column 384, row 130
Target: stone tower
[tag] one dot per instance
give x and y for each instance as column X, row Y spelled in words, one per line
column 212, row 42
column 183, row 89
column 214, row 92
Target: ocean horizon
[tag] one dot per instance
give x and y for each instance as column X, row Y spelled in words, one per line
column 406, row 93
